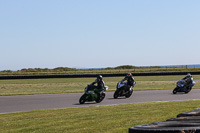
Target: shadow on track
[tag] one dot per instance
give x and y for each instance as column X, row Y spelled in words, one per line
column 85, row 103
column 116, row 98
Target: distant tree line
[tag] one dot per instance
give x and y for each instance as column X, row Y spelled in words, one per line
column 61, row 69
column 120, row 68
column 134, row 67
column 58, row 69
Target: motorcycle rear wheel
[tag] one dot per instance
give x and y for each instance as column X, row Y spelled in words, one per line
column 188, row 90
column 100, row 98
column 129, row 94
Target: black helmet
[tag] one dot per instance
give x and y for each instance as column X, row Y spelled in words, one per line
column 99, row 77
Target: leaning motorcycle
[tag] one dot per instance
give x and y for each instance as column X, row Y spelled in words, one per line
column 182, row 86
column 122, row 90
column 92, row 95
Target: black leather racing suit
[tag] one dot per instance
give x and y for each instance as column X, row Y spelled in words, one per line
column 100, row 85
column 188, row 80
column 130, row 81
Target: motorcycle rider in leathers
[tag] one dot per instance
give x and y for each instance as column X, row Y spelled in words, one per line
column 188, row 79
column 130, row 80
column 100, row 84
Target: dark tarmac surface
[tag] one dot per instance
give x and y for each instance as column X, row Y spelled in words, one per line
column 20, row 103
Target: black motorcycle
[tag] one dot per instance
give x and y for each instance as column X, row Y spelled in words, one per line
column 182, row 86
column 123, row 90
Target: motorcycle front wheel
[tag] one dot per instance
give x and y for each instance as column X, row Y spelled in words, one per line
column 82, row 99
column 116, row 94
column 175, row 90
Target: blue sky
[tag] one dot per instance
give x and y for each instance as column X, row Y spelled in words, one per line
column 98, row 33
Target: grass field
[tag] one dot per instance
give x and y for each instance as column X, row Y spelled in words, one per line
column 116, row 118
column 107, row 119
column 67, row 85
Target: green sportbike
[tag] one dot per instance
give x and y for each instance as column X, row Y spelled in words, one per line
column 91, row 94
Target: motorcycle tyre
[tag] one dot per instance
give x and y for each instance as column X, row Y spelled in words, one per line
column 116, row 94
column 175, row 90
column 82, row 99
column 100, row 98
column 129, row 94
column 188, row 90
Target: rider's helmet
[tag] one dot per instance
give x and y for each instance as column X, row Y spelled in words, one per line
column 129, row 75
column 99, row 77
column 188, row 75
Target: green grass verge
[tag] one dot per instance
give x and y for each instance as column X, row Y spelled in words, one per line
column 71, row 85
column 116, row 118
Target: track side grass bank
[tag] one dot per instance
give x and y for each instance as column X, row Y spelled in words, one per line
column 71, row 85
column 116, row 119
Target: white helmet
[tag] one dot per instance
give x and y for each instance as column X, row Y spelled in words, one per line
column 188, row 75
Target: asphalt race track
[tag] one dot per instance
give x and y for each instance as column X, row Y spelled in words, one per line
column 9, row 104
